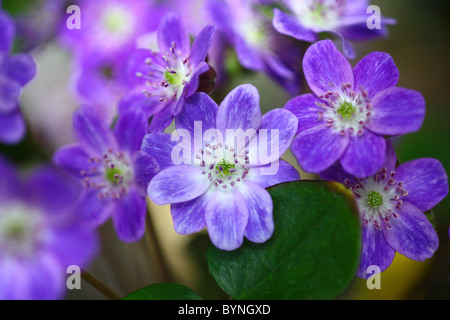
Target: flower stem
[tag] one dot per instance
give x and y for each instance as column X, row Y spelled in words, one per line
column 100, row 286
column 156, row 246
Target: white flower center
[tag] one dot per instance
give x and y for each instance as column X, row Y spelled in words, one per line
column 318, row 15
column 224, row 166
column 252, row 28
column 345, row 111
column 378, row 198
column 20, row 229
column 111, row 176
column 117, row 21
column 167, row 74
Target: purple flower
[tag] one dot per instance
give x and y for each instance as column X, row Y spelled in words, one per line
column 168, row 76
column 40, row 235
column 218, row 183
column 110, row 27
column 345, row 18
column 15, row 72
column 391, row 205
column 258, row 46
column 112, row 169
column 351, row 111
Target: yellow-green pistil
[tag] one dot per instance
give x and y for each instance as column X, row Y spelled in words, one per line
column 374, row 199
column 173, row 78
column 346, row 110
column 113, row 175
column 16, row 232
column 114, row 21
column 224, row 167
column 318, row 12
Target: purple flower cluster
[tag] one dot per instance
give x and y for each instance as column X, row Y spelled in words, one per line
column 341, row 136
column 15, row 72
column 258, row 46
column 138, row 71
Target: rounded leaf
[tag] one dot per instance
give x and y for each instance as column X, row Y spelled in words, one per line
column 163, row 291
column 313, row 253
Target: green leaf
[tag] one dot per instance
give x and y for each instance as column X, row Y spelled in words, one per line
column 313, row 253
column 17, row 6
column 163, row 291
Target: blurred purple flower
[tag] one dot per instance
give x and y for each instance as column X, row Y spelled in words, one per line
column 191, row 12
column 110, row 27
column 351, row 111
column 100, row 83
column 15, row 72
column 109, row 33
column 40, row 235
column 224, row 189
column 165, row 78
column 258, row 46
column 391, row 205
column 112, row 169
column 40, row 23
column 345, row 18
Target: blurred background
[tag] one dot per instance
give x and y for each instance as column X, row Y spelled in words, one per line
column 419, row 44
